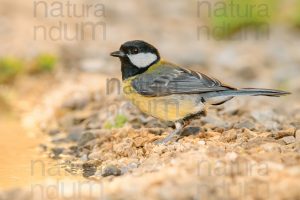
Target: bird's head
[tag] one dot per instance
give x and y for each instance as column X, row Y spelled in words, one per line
column 136, row 57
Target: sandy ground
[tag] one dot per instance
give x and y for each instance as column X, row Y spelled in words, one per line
column 247, row 148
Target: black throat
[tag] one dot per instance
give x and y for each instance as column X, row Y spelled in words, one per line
column 129, row 70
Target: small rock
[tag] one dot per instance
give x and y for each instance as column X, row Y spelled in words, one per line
column 129, row 167
column 229, row 136
column 85, row 138
column 289, row 139
column 89, row 169
column 139, row 141
column 156, row 131
column 56, row 152
column 43, row 147
column 95, row 155
column 248, row 133
column 296, row 124
column 190, row 131
column 297, row 135
column 266, row 119
column 59, row 140
column 245, row 124
column 93, row 124
column 66, row 121
column 111, row 170
column 84, row 158
column 216, row 122
column 53, row 132
column 284, row 133
column 75, row 133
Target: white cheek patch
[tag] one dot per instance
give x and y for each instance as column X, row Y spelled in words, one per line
column 141, row 60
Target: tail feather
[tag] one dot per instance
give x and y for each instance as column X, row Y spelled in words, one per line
column 252, row 92
column 262, row 92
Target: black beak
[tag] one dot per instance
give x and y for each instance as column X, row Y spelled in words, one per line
column 119, row 54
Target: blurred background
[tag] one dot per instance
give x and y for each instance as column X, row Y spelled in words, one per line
column 48, row 43
column 247, row 37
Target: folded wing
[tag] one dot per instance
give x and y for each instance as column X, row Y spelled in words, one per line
column 169, row 79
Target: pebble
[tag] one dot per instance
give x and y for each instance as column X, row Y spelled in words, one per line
column 111, row 170
column 74, row 133
column 284, row 133
column 156, row 131
column 53, row 132
column 43, row 147
column 216, row 122
column 85, row 138
column 59, row 140
column 89, row 169
column 229, row 136
column 289, row 139
column 84, row 158
column 190, row 131
column 245, row 124
column 297, row 135
column 95, row 155
column 266, row 118
column 129, row 167
column 57, row 151
column 139, row 141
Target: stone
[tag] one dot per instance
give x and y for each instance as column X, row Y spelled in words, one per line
column 284, row 133
column 190, row 131
column 229, row 136
column 89, row 169
column 59, row 140
column 95, row 155
column 156, row 131
column 53, row 132
column 74, row 133
column 139, row 141
column 85, row 138
column 265, row 118
column 216, row 122
column 245, row 124
column 297, row 135
column 289, row 139
column 56, row 151
column 111, row 170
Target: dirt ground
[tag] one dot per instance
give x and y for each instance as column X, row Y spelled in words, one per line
column 247, row 148
column 103, row 147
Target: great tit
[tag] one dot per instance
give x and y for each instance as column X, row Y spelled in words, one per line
column 169, row 92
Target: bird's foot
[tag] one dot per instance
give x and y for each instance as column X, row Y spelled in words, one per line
column 173, row 135
column 167, row 139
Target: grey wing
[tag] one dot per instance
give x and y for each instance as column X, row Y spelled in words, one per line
column 169, row 80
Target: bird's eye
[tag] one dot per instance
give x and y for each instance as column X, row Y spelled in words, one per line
column 135, row 51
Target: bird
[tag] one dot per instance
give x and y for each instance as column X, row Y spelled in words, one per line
column 172, row 93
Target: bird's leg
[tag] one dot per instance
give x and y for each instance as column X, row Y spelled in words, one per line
column 179, row 127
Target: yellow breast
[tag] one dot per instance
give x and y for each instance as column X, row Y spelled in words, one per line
column 168, row 108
